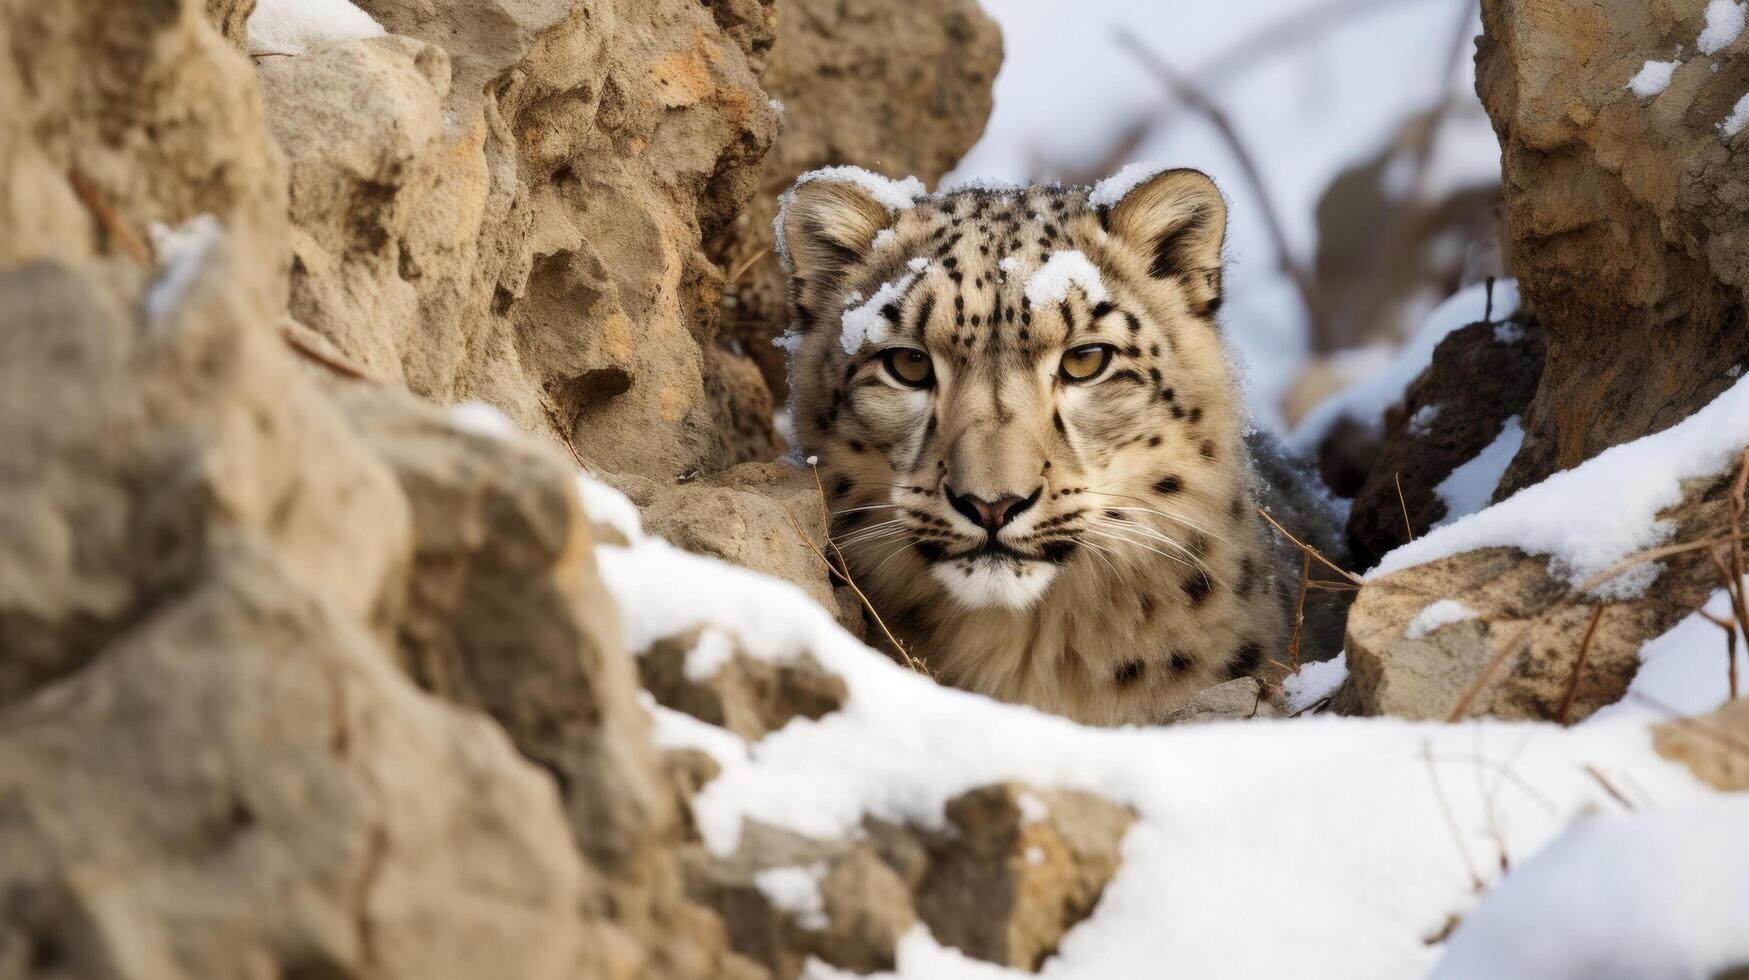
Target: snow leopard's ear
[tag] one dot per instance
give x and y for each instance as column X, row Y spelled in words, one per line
column 826, row 225
column 1177, row 220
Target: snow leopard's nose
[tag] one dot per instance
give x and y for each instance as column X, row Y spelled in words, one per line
column 991, row 515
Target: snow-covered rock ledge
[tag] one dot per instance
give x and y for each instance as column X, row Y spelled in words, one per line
column 1383, row 840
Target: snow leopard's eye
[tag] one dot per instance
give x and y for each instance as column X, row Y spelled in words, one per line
column 910, row 367
column 1085, row 363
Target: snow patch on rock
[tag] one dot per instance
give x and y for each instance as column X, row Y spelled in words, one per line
column 1469, row 487
column 1653, row 77
column 1436, row 616
column 296, row 26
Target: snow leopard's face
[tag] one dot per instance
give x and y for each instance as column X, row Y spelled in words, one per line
column 1017, row 393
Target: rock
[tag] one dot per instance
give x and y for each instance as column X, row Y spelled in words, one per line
column 705, row 675
column 199, row 555
column 1714, row 747
column 231, row 17
column 518, row 219
column 1017, row 869
column 1234, row 700
column 122, row 117
column 899, row 86
column 1628, row 217
column 506, row 613
column 785, row 898
column 1480, row 376
column 744, row 516
column 1532, row 619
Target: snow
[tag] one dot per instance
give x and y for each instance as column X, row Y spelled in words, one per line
column 796, row 891
column 865, row 324
column 1508, row 333
column 1366, row 401
column 1724, row 21
column 1050, row 283
column 608, row 506
column 713, row 649
column 1315, row 681
column 1629, row 896
column 884, row 238
column 1421, row 423
column 894, row 195
column 1594, row 515
column 296, row 26
column 1470, row 486
column 181, row 251
column 1653, row 77
column 1437, row 616
column 1115, row 188
column 1684, row 671
column 1339, row 819
column 480, row 419
column 1738, row 118
column 1032, row 809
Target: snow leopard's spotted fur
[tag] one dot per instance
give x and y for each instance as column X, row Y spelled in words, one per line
column 1136, row 572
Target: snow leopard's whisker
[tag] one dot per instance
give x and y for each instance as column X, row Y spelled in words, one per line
column 875, row 573
column 873, row 540
column 853, row 510
column 1193, row 562
column 1189, row 563
column 1101, row 552
column 1169, row 515
column 1152, row 532
column 863, row 532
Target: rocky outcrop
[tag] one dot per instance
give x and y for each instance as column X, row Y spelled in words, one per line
column 1481, row 375
column 1523, row 627
column 1628, row 217
column 902, row 87
column 506, row 203
column 202, row 562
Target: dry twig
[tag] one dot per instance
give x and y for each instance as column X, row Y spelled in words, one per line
column 841, row 571
column 1579, row 666
column 1408, row 528
column 1451, row 818
column 1293, row 645
column 1309, row 550
column 1194, row 98
column 1608, row 787
column 112, row 224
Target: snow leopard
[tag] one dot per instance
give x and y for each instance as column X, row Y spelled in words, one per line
column 1030, row 434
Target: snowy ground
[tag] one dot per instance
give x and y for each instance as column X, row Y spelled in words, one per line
column 1315, row 847
column 1327, row 98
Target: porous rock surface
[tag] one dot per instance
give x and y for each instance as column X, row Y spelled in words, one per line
column 1629, row 215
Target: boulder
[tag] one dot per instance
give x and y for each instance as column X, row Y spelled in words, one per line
column 704, row 674
column 506, row 203
column 1017, row 868
column 1714, row 747
column 1628, row 216
column 1523, row 618
column 121, row 118
column 200, row 561
column 1243, row 698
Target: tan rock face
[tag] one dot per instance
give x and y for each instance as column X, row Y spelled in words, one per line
column 1714, row 747
column 1019, row 868
column 902, row 87
column 746, row 695
column 1530, row 622
column 507, row 204
column 1628, row 219
column 200, row 555
column 117, row 118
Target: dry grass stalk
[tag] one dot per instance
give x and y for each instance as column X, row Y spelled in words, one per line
column 1293, row 643
column 320, row 357
column 1451, row 818
column 1309, row 550
column 112, row 225
column 1408, row 528
column 1608, row 787
column 1579, row 666
column 1509, row 650
column 841, row 571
